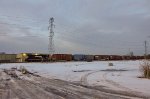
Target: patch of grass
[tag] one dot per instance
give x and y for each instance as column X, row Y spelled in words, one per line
column 145, row 69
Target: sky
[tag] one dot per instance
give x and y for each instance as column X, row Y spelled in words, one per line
column 81, row 26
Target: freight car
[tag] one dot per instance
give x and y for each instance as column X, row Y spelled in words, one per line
column 89, row 58
column 32, row 57
column 115, row 57
column 126, row 57
column 61, row 57
column 140, row 57
column 133, row 57
column 79, row 57
column 101, row 57
column 7, row 58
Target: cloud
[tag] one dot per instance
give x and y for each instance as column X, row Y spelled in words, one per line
column 82, row 26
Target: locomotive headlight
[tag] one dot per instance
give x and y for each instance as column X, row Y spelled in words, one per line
column 36, row 54
column 24, row 54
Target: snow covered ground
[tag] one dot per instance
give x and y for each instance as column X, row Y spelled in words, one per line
column 122, row 76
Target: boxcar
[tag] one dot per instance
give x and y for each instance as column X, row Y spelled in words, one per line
column 79, row 57
column 6, row 58
column 89, row 58
column 140, row 57
column 115, row 57
column 126, row 57
column 61, row 57
column 101, row 57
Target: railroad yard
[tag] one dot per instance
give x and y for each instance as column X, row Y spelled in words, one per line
column 73, row 80
column 74, row 49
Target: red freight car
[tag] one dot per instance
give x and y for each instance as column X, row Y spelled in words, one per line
column 115, row 57
column 139, row 57
column 61, row 57
column 126, row 57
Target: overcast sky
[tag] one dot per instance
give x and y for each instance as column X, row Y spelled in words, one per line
column 81, row 26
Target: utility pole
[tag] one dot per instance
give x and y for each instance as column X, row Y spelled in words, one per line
column 145, row 45
column 51, row 35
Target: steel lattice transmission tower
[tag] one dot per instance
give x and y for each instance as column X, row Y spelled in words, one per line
column 51, row 36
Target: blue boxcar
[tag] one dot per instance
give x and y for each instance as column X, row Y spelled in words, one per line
column 79, row 57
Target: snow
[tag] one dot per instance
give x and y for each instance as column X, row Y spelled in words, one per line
column 95, row 73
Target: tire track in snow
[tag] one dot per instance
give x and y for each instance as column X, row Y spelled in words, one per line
column 33, row 87
column 84, row 81
column 114, row 83
column 84, row 77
